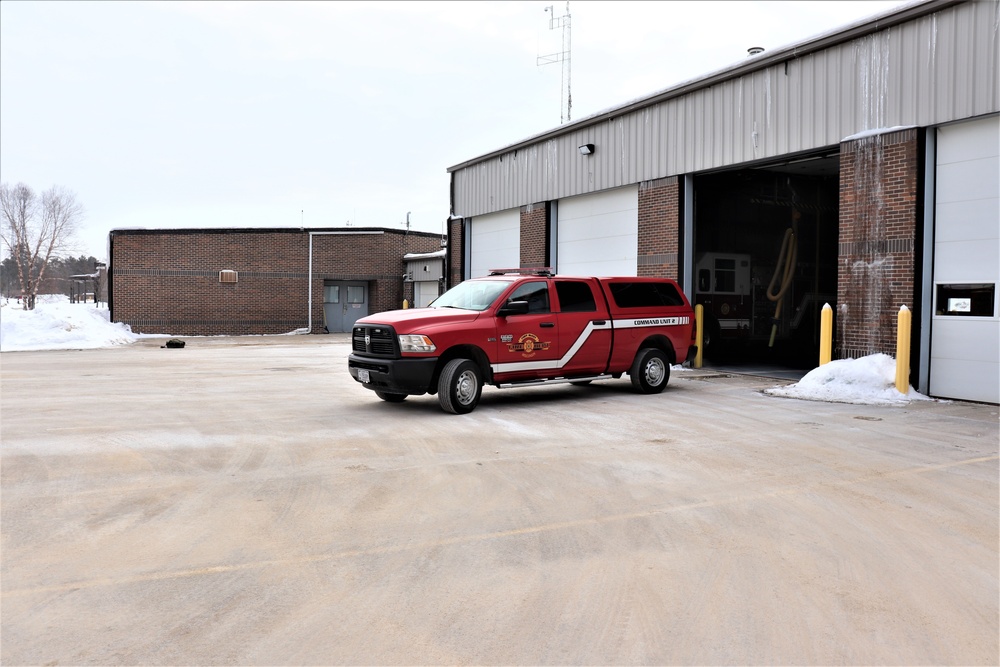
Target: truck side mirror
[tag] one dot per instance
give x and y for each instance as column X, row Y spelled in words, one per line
column 513, row 308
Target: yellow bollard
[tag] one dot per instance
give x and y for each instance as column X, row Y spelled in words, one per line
column 903, row 350
column 699, row 335
column 406, row 304
column 825, row 335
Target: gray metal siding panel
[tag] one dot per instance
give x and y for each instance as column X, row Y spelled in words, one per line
column 931, row 70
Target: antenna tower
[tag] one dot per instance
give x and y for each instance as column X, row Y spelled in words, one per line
column 566, row 95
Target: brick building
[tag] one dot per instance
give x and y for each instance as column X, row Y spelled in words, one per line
column 258, row 281
column 859, row 168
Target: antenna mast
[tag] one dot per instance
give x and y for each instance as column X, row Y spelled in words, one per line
column 566, row 95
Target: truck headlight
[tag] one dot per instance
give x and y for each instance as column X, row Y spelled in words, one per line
column 416, row 343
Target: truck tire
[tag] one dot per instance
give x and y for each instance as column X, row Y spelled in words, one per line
column 460, row 386
column 650, row 371
column 391, row 398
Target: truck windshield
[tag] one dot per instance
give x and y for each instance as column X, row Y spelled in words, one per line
column 471, row 295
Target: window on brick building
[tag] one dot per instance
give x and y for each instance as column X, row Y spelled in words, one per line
column 355, row 294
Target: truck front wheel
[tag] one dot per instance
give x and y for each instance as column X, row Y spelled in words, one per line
column 650, row 371
column 460, row 386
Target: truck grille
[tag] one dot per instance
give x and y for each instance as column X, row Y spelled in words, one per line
column 379, row 341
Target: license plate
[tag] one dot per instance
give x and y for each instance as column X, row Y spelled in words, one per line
column 364, row 376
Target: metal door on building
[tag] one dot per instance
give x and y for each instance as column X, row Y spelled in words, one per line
column 424, row 292
column 344, row 303
column 494, row 242
column 965, row 326
column 598, row 234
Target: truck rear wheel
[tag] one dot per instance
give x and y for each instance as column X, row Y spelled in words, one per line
column 650, row 371
column 460, row 386
column 390, row 398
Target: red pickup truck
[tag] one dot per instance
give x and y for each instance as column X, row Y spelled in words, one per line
column 516, row 328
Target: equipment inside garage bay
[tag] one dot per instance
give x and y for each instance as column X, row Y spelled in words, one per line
column 766, row 259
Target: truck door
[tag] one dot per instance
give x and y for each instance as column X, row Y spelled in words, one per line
column 528, row 345
column 584, row 327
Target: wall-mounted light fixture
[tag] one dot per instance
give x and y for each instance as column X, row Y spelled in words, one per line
column 587, row 149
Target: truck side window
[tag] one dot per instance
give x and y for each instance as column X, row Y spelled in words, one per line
column 536, row 294
column 645, row 294
column 575, row 297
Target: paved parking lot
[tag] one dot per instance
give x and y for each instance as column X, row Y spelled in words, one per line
column 243, row 501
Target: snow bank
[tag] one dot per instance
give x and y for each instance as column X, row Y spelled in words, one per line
column 57, row 324
column 870, row 380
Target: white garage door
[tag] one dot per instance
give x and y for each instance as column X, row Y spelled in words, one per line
column 598, row 234
column 424, row 292
column 494, row 242
column 965, row 327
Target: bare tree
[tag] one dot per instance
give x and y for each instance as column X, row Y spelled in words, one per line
column 35, row 230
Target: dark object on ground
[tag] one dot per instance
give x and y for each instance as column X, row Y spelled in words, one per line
column 173, row 342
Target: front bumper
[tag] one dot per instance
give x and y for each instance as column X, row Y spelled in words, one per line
column 394, row 376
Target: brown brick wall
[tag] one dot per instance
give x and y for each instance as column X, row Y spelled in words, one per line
column 456, row 251
column 168, row 281
column 876, row 253
column 534, row 236
column 659, row 227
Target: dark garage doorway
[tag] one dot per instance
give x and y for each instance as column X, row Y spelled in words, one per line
column 765, row 253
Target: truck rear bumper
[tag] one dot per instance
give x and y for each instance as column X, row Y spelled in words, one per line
column 393, row 376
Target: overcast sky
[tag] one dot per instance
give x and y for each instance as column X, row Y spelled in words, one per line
column 250, row 114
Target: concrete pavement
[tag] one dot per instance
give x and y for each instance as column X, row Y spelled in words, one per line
column 244, row 501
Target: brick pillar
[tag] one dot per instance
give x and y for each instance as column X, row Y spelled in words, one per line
column 408, row 293
column 534, row 236
column 876, row 254
column 659, row 227
column 456, row 249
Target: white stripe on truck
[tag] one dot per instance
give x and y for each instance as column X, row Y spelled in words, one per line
column 556, row 364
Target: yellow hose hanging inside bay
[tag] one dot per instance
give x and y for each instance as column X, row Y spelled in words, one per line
column 786, row 269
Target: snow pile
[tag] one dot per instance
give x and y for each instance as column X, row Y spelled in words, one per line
column 869, row 380
column 57, row 324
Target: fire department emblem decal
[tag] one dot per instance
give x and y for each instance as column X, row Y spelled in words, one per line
column 528, row 345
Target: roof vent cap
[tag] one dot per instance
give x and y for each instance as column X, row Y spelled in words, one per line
column 754, row 51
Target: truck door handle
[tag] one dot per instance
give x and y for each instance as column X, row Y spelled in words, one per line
column 600, row 323
column 547, row 325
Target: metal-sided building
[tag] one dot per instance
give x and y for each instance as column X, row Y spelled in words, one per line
column 859, row 168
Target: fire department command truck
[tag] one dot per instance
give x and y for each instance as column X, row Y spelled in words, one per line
column 518, row 328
